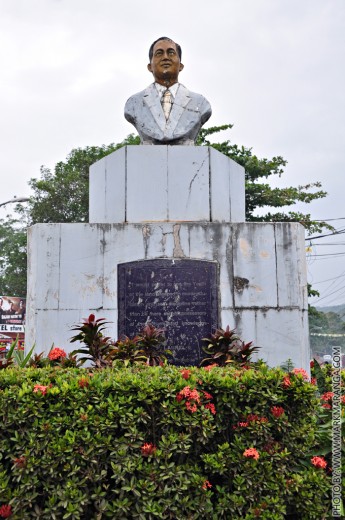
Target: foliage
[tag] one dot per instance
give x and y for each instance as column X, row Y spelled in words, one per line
column 145, row 442
column 151, row 342
column 63, row 195
column 260, row 194
column 97, row 346
column 322, row 326
column 287, row 365
column 147, row 347
column 327, row 418
column 224, row 347
column 13, row 257
column 16, row 355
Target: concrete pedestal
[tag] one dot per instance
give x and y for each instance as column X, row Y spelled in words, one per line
column 262, row 278
column 166, row 183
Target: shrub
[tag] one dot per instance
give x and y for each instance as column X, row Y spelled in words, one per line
column 159, row 442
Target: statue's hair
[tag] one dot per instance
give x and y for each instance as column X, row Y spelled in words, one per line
column 178, row 47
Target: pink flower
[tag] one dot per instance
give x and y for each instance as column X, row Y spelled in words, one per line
column 207, row 395
column 251, row 453
column 148, row 449
column 206, row 484
column 209, row 367
column 211, row 407
column 319, row 462
column 187, row 393
column 301, row 372
column 277, row 411
column 185, row 373
column 40, row 388
column 327, row 406
column 286, row 382
column 56, row 353
column 191, row 407
column 327, row 396
column 5, row 511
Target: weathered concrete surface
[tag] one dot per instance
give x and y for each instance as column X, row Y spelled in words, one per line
column 166, row 183
column 262, row 287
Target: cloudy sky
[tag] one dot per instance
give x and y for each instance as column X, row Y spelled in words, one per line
column 273, row 68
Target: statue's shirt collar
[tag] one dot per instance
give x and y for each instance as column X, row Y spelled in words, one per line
column 161, row 89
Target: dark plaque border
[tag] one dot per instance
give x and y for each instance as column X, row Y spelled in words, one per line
column 179, row 295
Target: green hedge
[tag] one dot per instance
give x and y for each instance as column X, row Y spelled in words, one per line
column 159, row 442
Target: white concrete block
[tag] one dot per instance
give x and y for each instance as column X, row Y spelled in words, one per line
column 283, row 335
column 220, row 187
column 237, row 192
column 97, row 188
column 115, row 187
column 255, row 273
column 81, row 266
column 43, row 266
column 166, row 183
column 188, row 183
column 78, row 276
column 146, row 195
column 291, row 268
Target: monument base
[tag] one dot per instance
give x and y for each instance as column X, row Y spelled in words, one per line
column 261, row 287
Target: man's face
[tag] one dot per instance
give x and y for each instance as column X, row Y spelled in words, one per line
column 165, row 63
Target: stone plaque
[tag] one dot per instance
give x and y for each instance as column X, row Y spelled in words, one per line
column 178, row 295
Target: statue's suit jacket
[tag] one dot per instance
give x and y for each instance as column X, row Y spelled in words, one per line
column 188, row 113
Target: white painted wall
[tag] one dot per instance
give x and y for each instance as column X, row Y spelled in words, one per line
column 263, row 286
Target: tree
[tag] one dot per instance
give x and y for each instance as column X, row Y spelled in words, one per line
column 260, row 194
column 13, row 257
column 62, row 195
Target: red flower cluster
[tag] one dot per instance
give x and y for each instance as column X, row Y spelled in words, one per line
column 251, row 418
column 40, row 388
column 277, row 411
column 301, row 372
column 56, row 353
column 193, row 399
column 209, row 367
column 286, row 382
column 5, row 511
column 20, row 462
column 211, row 407
column 319, row 462
column 83, row 382
column 327, row 396
column 148, row 449
column 313, row 381
column 206, row 484
column 251, row 453
column 185, row 373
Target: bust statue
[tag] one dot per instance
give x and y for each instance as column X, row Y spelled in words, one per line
column 166, row 112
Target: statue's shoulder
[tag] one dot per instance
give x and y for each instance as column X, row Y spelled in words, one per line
column 142, row 93
column 199, row 98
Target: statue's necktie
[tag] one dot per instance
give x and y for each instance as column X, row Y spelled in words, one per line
column 166, row 103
